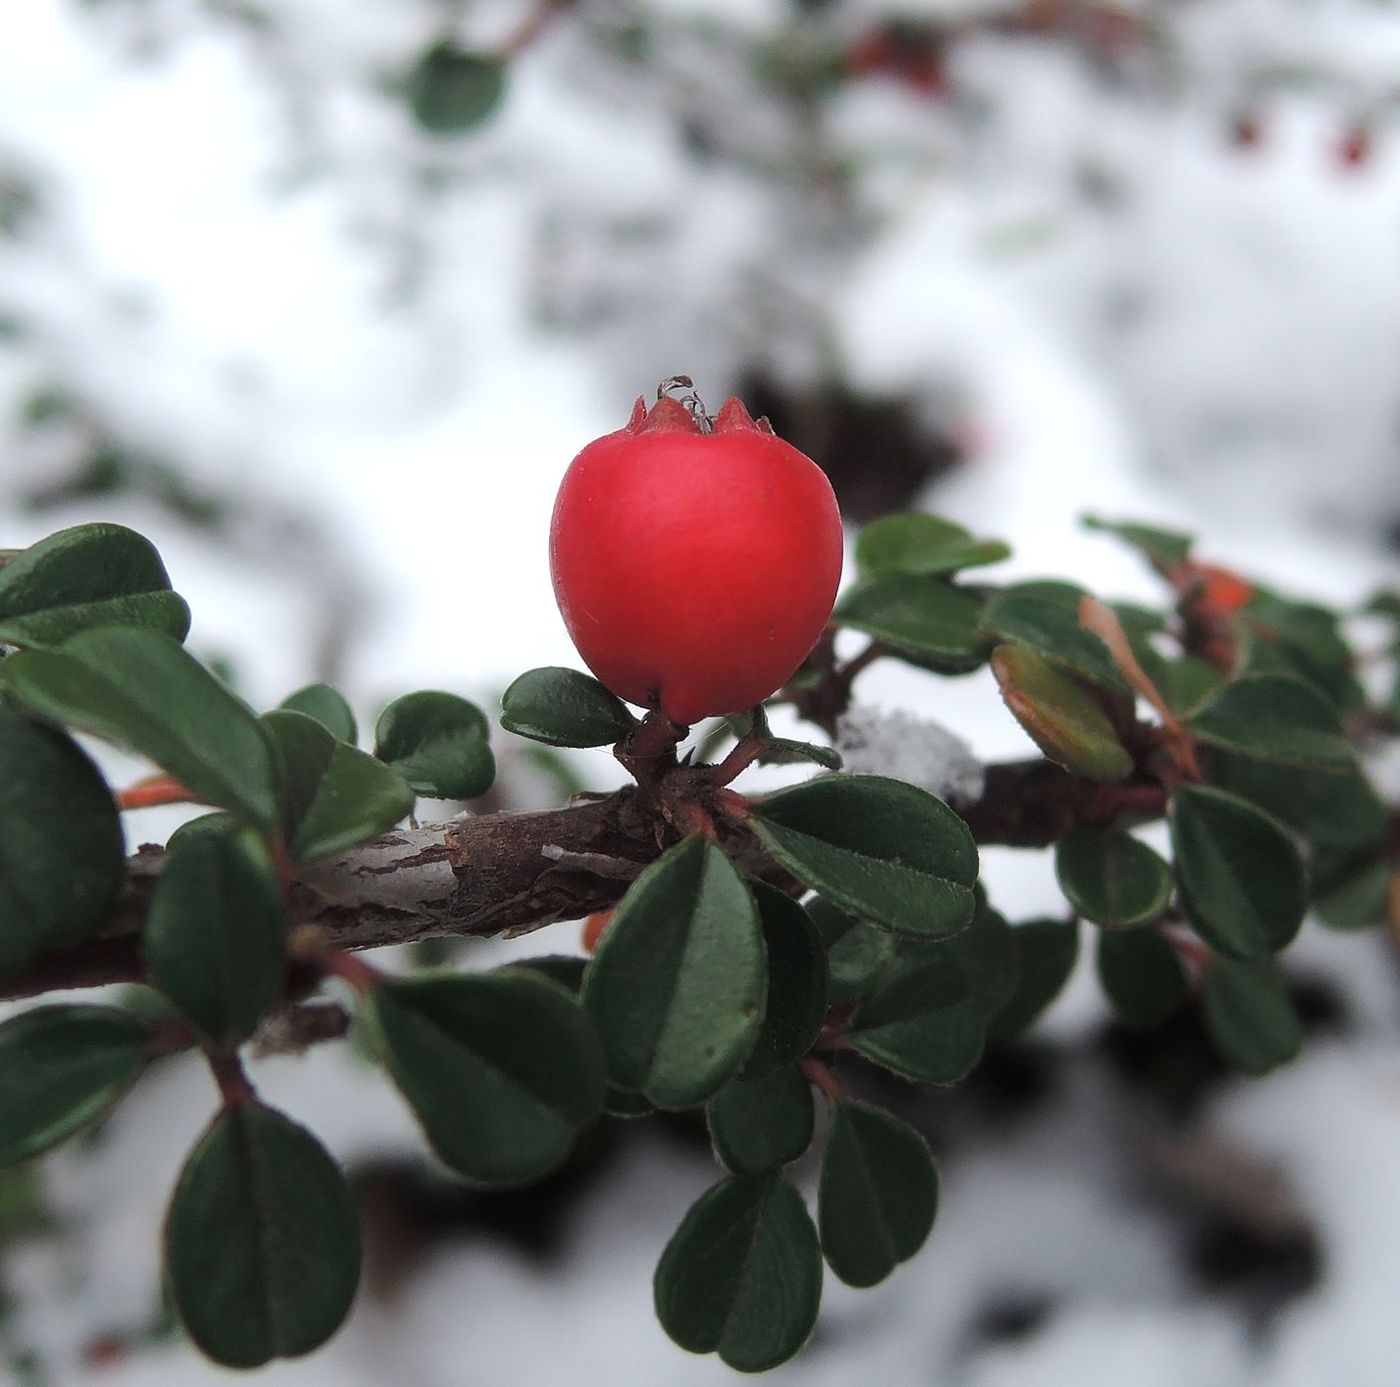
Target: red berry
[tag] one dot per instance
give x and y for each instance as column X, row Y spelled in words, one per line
column 694, row 571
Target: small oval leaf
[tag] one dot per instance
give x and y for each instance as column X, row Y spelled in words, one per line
column 1111, row 878
column 923, row 619
column 1045, row 618
column 562, row 707
column 878, row 1195
column 797, row 982
column 742, row 1275
column 439, row 743
column 1046, row 952
column 1249, row 1014
column 262, row 1244
column 502, row 1069
column 1271, row 717
column 925, row 544
column 761, row 1124
column 1141, row 975
column 886, row 851
column 452, row 90
column 676, row 988
column 62, row 1067
column 328, row 707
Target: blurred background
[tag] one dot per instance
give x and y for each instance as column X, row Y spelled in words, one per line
column 324, row 297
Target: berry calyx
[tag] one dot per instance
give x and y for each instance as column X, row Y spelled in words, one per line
column 695, row 560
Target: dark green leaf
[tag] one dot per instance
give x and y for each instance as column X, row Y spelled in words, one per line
column 142, row 689
column 91, row 575
column 887, row 851
column 761, row 1124
column 924, row 1022
column 1141, row 975
column 1049, row 625
column 858, row 953
column 923, row 544
column 878, row 1196
column 61, row 853
column 1240, row 876
column 214, row 934
column 1111, row 878
column 676, row 988
column 1164, row 548
column 1046, row 951
column 452, row 90
column 262, row 1245
column 1186, row 683
column 1062, row 718
column 328, row 707
column 797, row 983
column 1350, row 890
column 1302, row 639
column 1250, row 1015
column 502, row 1069
column 1274, row 718
column 439, row 743
column 781, row 751
column 333, row 796
column 919, row 617
column 743, row 1274
column 62, row 1067
column 562, row 707
column 987, row 953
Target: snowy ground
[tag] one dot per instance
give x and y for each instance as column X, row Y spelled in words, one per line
column 1219, row 350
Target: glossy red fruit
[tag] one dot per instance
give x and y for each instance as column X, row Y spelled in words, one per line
column 694, row 571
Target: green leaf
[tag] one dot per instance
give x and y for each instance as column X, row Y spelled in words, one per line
column 742, row 1276
column 782, row 751
column 262, row 1245
column 1164, row 548
column 62, row 859
column 1338, row 808
column 1350, row 890
column 797, row 983
column 439, row 743
column 987, row 952
column 333, row 796
column 1046, row 952
column 61, row 1068
column 761, row 1124
column 452, row 90
column 1062, row 719
column 144, row 690
column 1111, row 878
column 1186, row 683
column 858, row 954
column 89, row 576
column 1047, row 622
column 923, row 544
column 1240, row 876
column 562, row 707
column 1249, row 1014
column 924, row 619
column 886, row 851
column 1141, row 975
column 502, row 1069
column 1302, row 639
column 1274, row 718
column 878, row 1194
column 328, row 707
column 214, row 934
column 676, row 988
column 924, row 1022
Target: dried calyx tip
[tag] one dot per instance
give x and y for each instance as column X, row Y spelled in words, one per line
column 690, row 399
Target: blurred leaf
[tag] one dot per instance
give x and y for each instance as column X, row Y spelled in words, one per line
column 1163, row 548
column 887, row 851
column 1302, row 639
column 88, row 576
column 262, row 1244
column 858, row 954
column 62, row 859
column 1339, row 808
column 797, row 982
column 761, row 1124
column 923, row 544
column 1240, row 877
column 61, row 1068
column 1250, row 1015
column 1277, row 719
column 333, row 796
column 676, row 988
column 782, row 751
column 1111, row 878
column 1062, row 718
column 562, row 707
column 1141, row 975
column 742, row 1276
column 1045, row 619
column 107, row 681
column 1186, row 683
column 452, row 90
column 919, row 617
column 439, row 743
column 1350, row 890
column 878, row 1196
column 328, row 707
column 1046, row 952
column 502, row 1069
column 214, row 933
